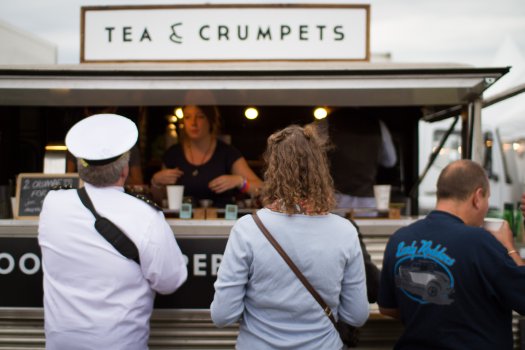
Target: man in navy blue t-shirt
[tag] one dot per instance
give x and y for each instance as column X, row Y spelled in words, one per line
column 452, row 283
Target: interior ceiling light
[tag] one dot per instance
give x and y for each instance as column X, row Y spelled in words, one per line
column 178, row 112
column 251, row 113
column 320, row 113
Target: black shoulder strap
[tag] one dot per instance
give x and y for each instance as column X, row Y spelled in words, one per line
column 84, row 198
column 294, row 268
column 110, row 231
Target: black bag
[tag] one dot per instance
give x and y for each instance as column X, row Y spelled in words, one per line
column 371, row 270
column 117, row 238
column 348, row 333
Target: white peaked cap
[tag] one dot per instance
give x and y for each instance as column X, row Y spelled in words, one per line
column 101, row 137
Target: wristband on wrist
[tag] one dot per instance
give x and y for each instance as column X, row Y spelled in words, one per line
column 512, row 251
column 245, row 185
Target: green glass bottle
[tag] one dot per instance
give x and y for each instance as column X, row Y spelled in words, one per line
column 518, row 223
column 508, row 214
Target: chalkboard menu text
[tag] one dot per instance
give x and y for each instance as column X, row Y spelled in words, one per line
column 32, row 188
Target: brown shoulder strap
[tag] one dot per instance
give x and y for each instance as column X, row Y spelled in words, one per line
column 294, row 268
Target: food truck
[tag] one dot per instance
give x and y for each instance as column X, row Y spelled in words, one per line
column 39, row 103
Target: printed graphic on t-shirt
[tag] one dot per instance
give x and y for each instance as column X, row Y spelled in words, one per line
column 422, row 272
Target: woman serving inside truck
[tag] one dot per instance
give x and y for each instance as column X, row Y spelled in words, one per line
column 207, row 167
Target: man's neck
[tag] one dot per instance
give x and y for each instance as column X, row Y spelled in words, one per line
column 456, row 208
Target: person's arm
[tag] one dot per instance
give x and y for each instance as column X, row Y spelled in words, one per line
column 232, row 278
column 162, row 262
column 501, row 271
column 253, row 183
column 161, row 179
column 158, row 191
column 353, row 306
column 504, row 236
column 515, row 255
column 240, row 172
column 394, row 313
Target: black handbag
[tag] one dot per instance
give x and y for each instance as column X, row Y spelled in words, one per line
column 348, row 333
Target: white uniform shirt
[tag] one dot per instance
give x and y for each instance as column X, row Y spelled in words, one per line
column 254, row 284
column 95, row 298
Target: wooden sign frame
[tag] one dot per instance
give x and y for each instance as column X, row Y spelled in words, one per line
column 174, row 33
column 54, row 179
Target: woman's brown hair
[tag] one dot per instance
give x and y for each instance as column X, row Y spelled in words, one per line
column 297, row 171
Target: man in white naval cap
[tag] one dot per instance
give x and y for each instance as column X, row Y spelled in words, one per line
column 95, row 297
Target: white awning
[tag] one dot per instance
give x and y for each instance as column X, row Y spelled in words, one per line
column 244, row 83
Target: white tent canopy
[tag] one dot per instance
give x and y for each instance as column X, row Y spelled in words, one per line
column 508, row 115
column 20, row 47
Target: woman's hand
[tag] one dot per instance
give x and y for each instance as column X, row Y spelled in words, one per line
column 225, row 182
column 166, row 177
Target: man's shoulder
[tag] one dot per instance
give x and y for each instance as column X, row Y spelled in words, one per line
column 141, row 198
column 413, row 230
column 61, row 192
column 135, row 205
column 414, row 226
column 447, row 228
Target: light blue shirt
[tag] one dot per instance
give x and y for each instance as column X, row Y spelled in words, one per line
column 256, row 287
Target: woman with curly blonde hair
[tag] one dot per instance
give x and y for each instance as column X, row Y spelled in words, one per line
column 254, row 284
column 297, row 177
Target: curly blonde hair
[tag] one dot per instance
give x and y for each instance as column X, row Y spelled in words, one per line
column 297, row 171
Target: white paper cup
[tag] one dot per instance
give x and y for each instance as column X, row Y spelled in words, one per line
column 382, row 196
column 175, row 194
column 492, row 224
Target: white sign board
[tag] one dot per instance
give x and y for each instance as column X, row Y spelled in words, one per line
column 225, row 32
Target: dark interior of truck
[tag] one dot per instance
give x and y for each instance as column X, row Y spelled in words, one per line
column 26, row 131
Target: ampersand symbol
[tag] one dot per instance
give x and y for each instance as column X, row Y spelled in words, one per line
column 174, row 36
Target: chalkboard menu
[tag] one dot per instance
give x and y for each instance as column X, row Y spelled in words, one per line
column 32, row 188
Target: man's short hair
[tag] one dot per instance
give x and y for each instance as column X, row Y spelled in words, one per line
column 102, row 175
column 460, row 179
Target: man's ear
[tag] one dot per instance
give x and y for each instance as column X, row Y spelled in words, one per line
column 477, row 198
column 124, row 173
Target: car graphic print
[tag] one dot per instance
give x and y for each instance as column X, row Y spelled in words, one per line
column 423, row 274
column 421, row 281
